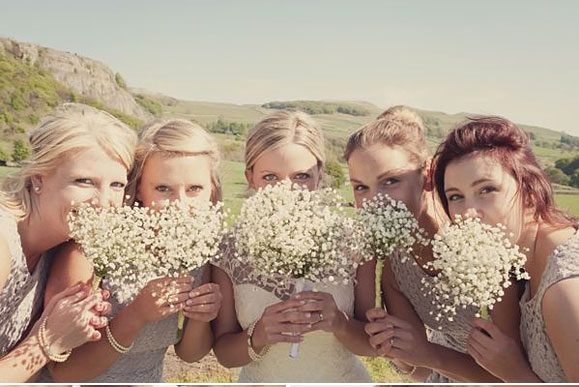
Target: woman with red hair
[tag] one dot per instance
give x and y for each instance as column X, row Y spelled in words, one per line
column 486, row 168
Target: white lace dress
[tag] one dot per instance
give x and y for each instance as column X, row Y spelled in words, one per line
column 22, row 298
column 322, row 357
column 562, row 263
column 452, row 334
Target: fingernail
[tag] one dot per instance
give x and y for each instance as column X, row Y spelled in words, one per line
column 189, row 302
column 302, row 302
column 308, row 315
column 298, row 297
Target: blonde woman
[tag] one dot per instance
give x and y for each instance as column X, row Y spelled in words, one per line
column 175, row 160
column 79, row 154
column 390, row 156
column 251, row 328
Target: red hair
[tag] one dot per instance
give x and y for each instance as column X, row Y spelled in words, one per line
column 509, row 145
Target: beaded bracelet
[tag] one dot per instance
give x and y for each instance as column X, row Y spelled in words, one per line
column 42, row 340
column 254, row 356
column 405, row 373
column 115, row 344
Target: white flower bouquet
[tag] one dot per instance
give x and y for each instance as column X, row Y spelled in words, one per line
column 292, row 234
column 475, row 263
column 388, row 226
column 116, row 241
column 187, row 236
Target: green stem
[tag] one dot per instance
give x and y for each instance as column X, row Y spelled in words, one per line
column 484, row 313
column 378, row 283
column 96, row 282
column 180, row 324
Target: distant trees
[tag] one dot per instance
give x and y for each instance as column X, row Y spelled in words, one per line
column 237, row 129
column 566, row 171
column 20, row 151
column 336, row 174
column 318, row 107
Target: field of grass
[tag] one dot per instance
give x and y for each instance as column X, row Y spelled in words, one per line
column 568, row 202
column 6, row 170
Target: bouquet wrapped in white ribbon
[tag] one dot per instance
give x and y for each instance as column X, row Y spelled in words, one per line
column 292, row 234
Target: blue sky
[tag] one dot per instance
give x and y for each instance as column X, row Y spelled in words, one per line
column 519, row 59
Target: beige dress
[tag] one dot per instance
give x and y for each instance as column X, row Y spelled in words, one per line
column 563, row 263
column 450, row 334
column 22, row 298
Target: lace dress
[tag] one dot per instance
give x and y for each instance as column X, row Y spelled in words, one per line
column 450, row 334
column 322, row 357
column 144, row 362
column 22, row 298
column 562, row 263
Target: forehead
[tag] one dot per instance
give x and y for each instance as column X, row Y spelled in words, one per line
column 91, row 161
column 383, row 157
column 286, row 158
column 473, row 167
column 165, row 167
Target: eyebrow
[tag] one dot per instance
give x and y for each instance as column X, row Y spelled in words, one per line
column 483, row 180
column 390, row 173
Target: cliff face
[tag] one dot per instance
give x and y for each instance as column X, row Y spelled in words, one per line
column 85, row 77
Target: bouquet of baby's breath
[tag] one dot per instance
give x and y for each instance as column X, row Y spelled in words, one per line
column 116, row 241
column 292, row 234
column 187, row 236
column 289, row 232
column 476, row 262
column 388, row 226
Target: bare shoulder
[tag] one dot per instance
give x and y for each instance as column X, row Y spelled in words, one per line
column 69, row 267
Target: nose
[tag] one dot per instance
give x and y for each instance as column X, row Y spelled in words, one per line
column 472, row 212
column 103, row 198
column 181, row 195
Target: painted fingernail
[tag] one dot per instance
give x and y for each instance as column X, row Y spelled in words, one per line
column 302, row 302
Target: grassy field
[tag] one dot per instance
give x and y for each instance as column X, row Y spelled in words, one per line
column 568, row 202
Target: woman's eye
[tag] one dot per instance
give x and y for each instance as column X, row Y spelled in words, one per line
column 162, row 188
column 453, row 198
column 86, row 181
column 488, row 189
column 360, row 188
column 270, row 177
column 302, row 176
column 118, row 184
column 196, row 188
column 390, row 181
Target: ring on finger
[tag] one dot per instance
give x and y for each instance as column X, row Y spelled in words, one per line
column 321, row 316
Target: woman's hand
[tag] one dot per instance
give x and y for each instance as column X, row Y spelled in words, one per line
column 496, row 352
column 160, row 298
column 397, row 339
column 281, row 322
column 71, row 320
column 203, row 303
column 323, row 311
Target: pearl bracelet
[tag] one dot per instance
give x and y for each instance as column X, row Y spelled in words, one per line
column 405, row 373
column 42, row 340
column 254, row 356
column 115, row 344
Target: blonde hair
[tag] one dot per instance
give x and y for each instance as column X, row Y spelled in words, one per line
column 71, row 129
column 282, row 128
column 174, row 138
column 396, row 126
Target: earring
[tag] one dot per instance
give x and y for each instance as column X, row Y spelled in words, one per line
column 36, row 188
